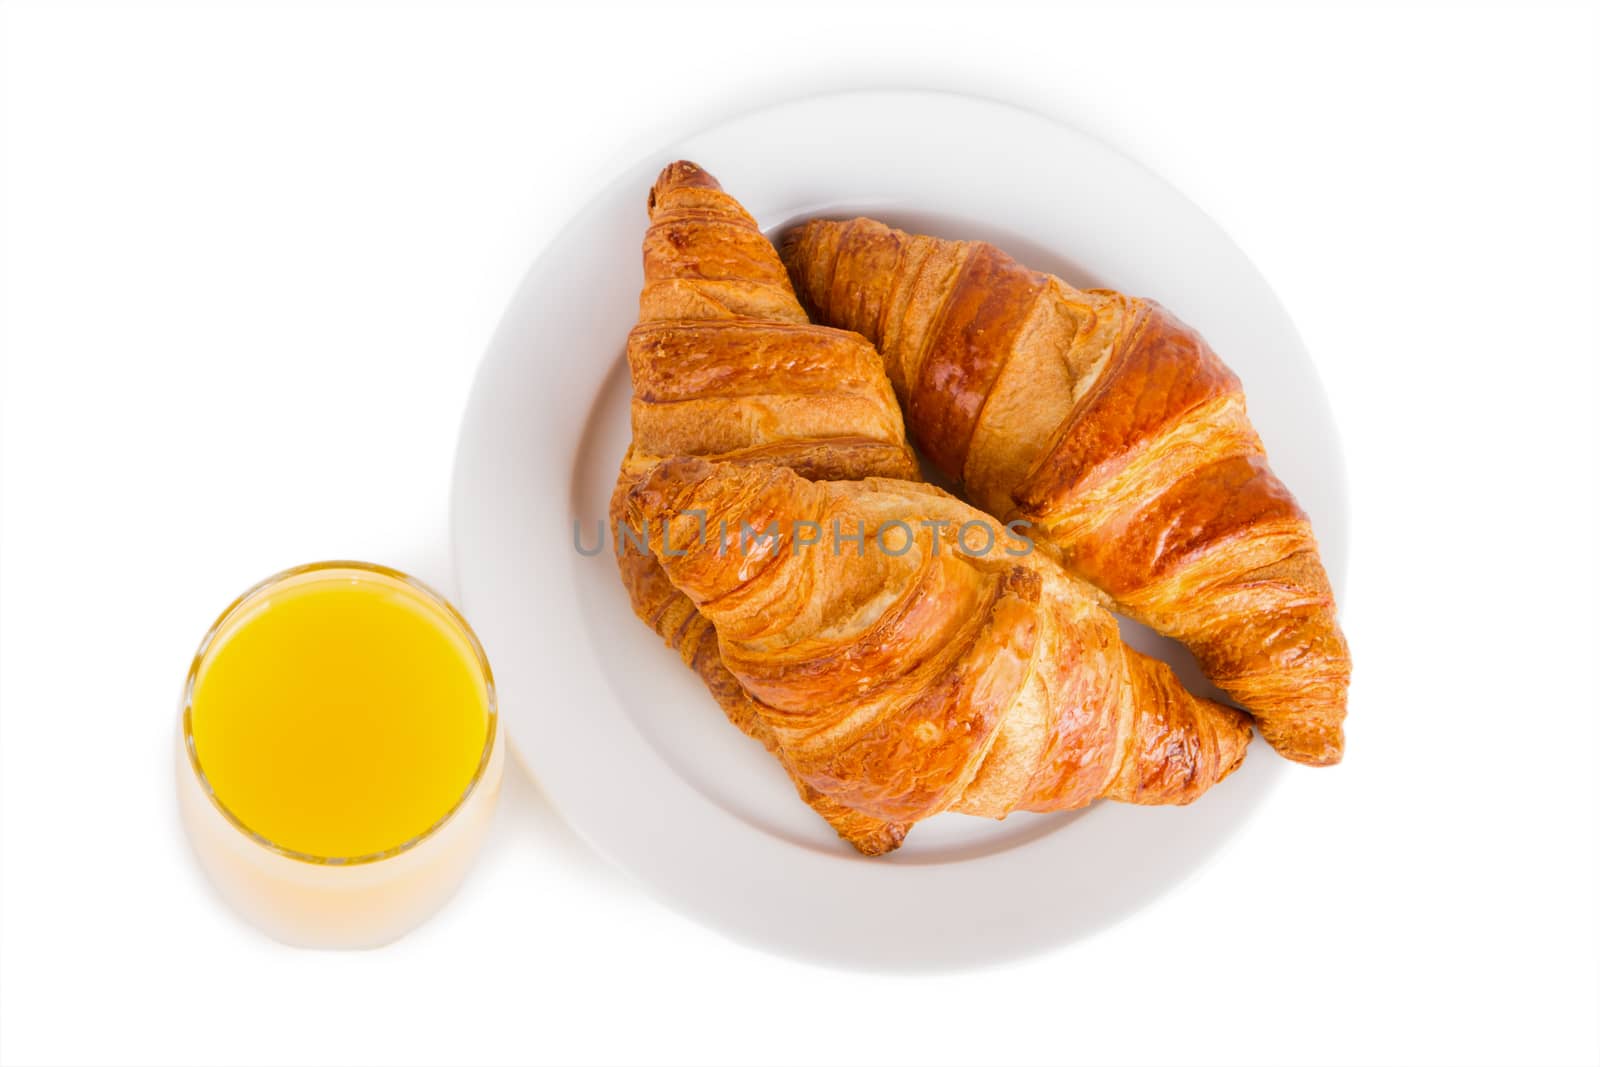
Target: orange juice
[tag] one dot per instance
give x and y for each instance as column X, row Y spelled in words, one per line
column 340, row 716
column 338, row 754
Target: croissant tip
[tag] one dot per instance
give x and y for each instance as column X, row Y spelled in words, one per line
column 1330, row 757
column 788, row 243
column 790, row 237
column 681, row 174
column 1233, row 740
column 1309, row 746
column 888, row 838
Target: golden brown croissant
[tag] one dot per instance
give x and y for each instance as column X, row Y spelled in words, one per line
column 724, row 363
column 1112, row 427
column 908, row 657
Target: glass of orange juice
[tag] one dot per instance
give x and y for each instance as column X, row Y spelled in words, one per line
column 339, row 753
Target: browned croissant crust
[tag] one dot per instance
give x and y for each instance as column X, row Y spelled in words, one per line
column 908, row 675
column 1111, row 426
column 725, row 363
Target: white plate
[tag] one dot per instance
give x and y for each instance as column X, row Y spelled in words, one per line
column 623, row 738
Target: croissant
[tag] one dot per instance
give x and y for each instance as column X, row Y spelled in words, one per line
column 725, row 363
column 1112, row 428
column 909, row 658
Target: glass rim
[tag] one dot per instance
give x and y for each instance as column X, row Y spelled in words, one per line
column 417, row 587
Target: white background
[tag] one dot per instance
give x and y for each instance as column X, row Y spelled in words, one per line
column 252, row 255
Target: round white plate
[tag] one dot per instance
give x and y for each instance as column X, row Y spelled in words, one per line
column 623, row 738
